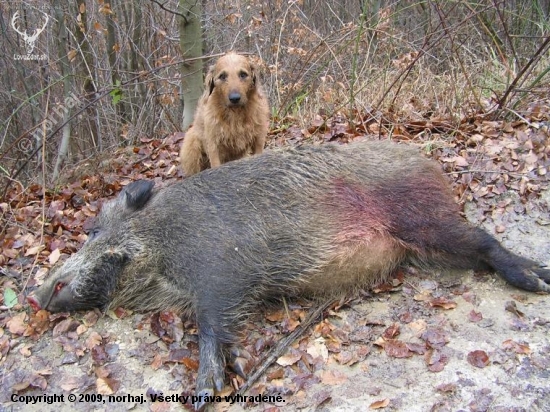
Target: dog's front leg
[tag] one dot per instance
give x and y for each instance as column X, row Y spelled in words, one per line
column 214, row 157
column 259, row 145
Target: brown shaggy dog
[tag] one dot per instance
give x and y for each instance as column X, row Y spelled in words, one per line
column 231, row 118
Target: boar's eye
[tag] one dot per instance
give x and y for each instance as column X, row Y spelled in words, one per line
column 92, row 234
column 59, row 286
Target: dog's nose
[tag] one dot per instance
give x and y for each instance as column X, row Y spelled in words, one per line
column 234, row 97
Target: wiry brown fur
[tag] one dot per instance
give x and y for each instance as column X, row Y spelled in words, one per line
column 224, row 130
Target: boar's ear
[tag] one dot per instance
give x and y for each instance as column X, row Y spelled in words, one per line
column 137, row 193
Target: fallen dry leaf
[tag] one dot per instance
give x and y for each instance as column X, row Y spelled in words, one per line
column 397, row 349
column 478, row 358
column 18, row 387
column 16, row 325
column 54, row 256
column 435, row 337
column 289, row 324
column 391, row 332
column 99, row 354
column 191, row 364
column 276, row 316
column 34, row 250
column 344, row 357
column 436, row 360
column 474, row 316
column 289, row 359
column 419, row 348
column 329, row 377
column 418, row 327
column 380, row 404
column 90, row 318
column 38, row 381
column 519, row 348
column 318, row 349
column 70, row 383
column 65, row 326
column 26, row 351
column 158, row 361
column 39, row 323
column 93, row 340
column 511, row 307
column 106, row 386
column 443, row 303
column 102, row 372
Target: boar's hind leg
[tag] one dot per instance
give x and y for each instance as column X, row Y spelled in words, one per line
column 516, row 270
column 469, row 247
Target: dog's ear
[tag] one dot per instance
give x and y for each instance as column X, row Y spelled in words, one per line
column 253, row 71
column 209, row 80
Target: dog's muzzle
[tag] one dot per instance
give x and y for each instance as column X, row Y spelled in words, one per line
column 234, row 98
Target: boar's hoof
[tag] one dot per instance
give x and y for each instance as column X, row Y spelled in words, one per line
column 240, row 361
column 206, row 384
column 543, row 273
column 202, row 397
column 532, row 278
column 211, row 373
column 541, row 277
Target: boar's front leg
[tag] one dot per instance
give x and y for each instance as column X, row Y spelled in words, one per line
column 211, row 364
column 216, row 320
column 216, row 325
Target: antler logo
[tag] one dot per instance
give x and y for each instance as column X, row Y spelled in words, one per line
column 29, row 40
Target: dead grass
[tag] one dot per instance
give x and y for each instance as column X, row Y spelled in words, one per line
column 414, row 93
column 413, row 60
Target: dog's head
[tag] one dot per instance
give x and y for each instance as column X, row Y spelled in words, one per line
column 232, row 79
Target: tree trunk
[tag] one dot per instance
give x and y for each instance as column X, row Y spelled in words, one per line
column 63, row 111
column 112, row 51
column 84, row 71
column 191, row 47
column 134, row 22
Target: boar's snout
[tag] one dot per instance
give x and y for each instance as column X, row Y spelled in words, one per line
column 54, row 296
column 33, row 302
column 85, row 281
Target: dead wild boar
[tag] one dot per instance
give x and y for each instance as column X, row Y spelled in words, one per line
column 305, row 221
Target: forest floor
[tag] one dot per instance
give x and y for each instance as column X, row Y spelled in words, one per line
column 427, row 342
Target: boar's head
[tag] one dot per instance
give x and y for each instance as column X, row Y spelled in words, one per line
column 89, row 277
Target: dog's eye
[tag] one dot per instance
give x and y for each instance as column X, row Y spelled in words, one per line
column 223, row 76
column 243, row 75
